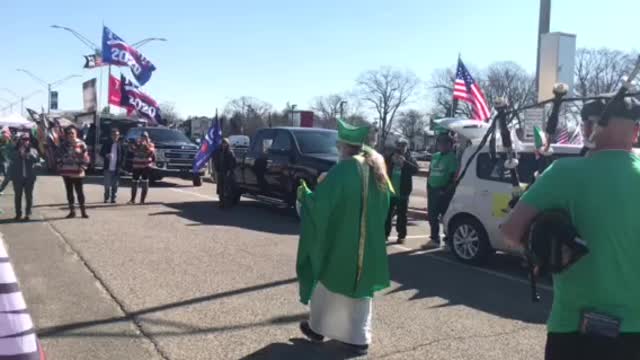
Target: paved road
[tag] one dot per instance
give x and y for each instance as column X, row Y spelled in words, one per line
column 180, row 279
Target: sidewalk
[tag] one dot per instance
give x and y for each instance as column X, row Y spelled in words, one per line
column 60, row 289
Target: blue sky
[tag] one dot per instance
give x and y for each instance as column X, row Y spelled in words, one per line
column 284, row 50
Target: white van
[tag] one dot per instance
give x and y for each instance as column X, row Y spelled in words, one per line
column 481, row 200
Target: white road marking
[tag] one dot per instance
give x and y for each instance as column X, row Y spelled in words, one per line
column 194, row 193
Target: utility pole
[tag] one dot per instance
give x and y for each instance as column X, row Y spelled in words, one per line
column 342, row 104
column 544, row 21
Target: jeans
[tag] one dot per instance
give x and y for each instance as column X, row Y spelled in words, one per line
column 111, row 182
column 561, row 346
column 5, row 170
column 400, row 206
column 74, row 183
column 437, row 201
column 26, row 186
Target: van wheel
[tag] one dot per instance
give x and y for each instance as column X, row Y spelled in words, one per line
column 469, row 241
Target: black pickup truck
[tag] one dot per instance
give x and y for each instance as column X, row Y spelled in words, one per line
column 279, row 158
column 174, row 152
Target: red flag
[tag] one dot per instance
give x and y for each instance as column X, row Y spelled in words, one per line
column 115, row 94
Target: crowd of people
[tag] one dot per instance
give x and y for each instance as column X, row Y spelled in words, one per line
column 19, row 159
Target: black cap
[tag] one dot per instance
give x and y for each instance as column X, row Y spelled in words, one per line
column 627, row 108
column 592, row 108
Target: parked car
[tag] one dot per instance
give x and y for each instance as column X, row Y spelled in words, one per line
column 174, row 152
column 481, row 200
column 279, row 158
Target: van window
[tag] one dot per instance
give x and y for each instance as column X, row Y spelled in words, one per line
column 263, row 142
column 282, row 141
column 494, row 170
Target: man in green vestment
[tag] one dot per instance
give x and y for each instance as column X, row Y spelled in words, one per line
column 342, row 258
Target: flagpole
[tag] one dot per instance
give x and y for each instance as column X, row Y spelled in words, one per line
column 454, row 102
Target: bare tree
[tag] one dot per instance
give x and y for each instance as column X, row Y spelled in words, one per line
column 247, row 114
column 169, row 114
column 441, row 88
column 327, row 109
column 411, row 124
column 387, row 90
column 601, row 71
column 510, row 81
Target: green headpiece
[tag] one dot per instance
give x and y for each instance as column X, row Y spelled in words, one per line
column 352, row 135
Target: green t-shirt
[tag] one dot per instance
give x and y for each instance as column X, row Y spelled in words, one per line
column 602, row 194
column 442, row 168
column 396, row 179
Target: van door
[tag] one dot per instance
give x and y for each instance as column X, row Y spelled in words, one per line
column 494, row 190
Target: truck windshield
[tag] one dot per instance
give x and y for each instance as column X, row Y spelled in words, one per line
column 317, row 142
column 167, row 135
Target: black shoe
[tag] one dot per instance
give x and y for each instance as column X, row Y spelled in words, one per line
column 84, row 215
column 359, row 350
column 106, row 201
column 17, row 218
column 310, row 334
column 71, row 215
column 26, row 218
column 113, row 201
column 402, row 239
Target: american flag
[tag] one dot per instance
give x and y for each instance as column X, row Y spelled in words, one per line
column 563, row 136
column 466, row 89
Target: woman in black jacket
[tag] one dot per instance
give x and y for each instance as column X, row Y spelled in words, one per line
column 224, row 161
column 23, row 175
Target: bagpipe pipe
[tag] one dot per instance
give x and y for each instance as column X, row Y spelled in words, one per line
column 552, row 243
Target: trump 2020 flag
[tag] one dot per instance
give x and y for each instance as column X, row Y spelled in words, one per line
column 210, row 143
column 116, row 51
column 133, row 97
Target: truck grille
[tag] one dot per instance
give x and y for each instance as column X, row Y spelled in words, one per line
column 180, row 159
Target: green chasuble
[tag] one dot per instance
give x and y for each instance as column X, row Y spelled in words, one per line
column 331, row 249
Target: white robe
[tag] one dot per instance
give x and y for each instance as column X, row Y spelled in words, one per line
column 339, row 317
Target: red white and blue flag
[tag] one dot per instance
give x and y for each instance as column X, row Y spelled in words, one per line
column 116, row 51
column 467, row 90
column 210, row 143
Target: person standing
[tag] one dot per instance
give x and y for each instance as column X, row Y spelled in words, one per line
column 6, row 153
column 342, row 258
column 73, row 161
column 441, row 179
column 144, row 155
column 113, row 154
column 601, row 195
column 401, row 167
column 224, row 161
column 23, row 175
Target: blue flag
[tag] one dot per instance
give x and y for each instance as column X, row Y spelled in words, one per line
column 116, row 51
column 210, row 143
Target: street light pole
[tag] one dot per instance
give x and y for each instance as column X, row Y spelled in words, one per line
column 293, row 108
column 48, row 85
column 342, row 104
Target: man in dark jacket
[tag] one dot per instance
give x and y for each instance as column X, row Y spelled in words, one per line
column 401, row 167
column 113, row 154
column 22, row 173
column 224, row 161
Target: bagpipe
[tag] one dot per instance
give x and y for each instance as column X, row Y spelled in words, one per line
column 552, row 244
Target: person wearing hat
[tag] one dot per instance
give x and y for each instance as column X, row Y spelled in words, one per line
column 401, row 167
column 23, row 175
column 224, row 161
column 596, row 305
column 590, row 114
column 342, row 257
column 144, row 155
column 441, row 178
column 73, row 161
